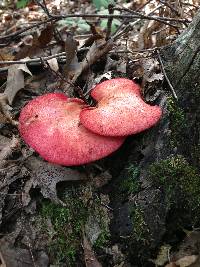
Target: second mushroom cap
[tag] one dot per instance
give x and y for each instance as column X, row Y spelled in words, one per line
column 120, row 111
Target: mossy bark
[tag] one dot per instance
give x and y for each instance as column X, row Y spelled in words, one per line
column 167, row 158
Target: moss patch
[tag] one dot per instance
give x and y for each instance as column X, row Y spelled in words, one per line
column 128, row 183
column 140, row 228
column 180, row 183
column 177, row 122
column 64, row 225
column 103, row 239
column 65, row 229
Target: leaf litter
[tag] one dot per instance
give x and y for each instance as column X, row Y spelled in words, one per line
column 86, row 57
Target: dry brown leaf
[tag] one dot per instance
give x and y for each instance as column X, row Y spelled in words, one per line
column 151, row 66
column 162, row 256
column 96, row 51
column 38, row 43
column 46, row 36
column 171, row 264
column 15, row 80
column 53, row 64
column 3, row 118
column 4, row 55
column 186, row 261
column 71, row 64
column 11, row 256
column 89, row 256
column 46, row 175
column 8, row 149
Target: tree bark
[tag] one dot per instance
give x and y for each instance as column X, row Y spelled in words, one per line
column 157, row 194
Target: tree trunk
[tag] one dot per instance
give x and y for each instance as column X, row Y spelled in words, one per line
column 157, row 195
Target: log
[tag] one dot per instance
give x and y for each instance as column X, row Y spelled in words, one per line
column 156, row 195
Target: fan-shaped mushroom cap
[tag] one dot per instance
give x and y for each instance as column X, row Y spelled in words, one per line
column 120, row 110
column 113, row 86
column 50, row 124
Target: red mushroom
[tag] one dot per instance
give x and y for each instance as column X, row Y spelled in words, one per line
column 50, row 124
column 120, row 111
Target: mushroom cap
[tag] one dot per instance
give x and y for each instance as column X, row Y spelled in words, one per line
column 50, row 125
column 120, row 111
column 113, row 86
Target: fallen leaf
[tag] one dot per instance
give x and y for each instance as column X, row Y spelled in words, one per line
column 8, row 149
column 186, row 261
column 3, row 118
column 71, row 64
column 171, row 264
column 3, row 141
column 89, row 256
column 45, row 36
column 53, row 64
column 162, row 256
column 12, row 256
column 37, row 44
column 4, row 192
column 15, row 80
column 106, row 75
column 5, row 55
column 46, row 175
column 151, row 66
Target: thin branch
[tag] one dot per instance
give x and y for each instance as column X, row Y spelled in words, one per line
column 122, row 16
column 140, row 15
column 62, row 57
column 25, row 61
column 44, row 7
column 166, row 77
column 163, row 20
column 109, row 23
column 169, row 6
column 14, row 34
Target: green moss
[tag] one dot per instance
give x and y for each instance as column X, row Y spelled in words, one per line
column 64, row 225
column 130, row 184
column 180, row 183
column 102, row 240
column 65, row 233
column 140, row 228
column 177, row 122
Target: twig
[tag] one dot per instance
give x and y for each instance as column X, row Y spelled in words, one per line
column 62, row 57
column 109, row 23
column 25, row 61
column 76, row 87
column 129, row 27
column 3, row 263
column 122, row 16
column 5, row 109
column 44, row 7
column 141, row 7
column 166, row 77
column 140, row 15
column 7, row 150
column 32, row 257
column 163, row 20
column 171, row 7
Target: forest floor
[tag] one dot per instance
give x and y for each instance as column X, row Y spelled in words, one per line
column 61, row 216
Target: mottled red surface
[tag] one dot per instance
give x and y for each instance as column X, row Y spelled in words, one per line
column 120, row 110
column 113, row 86
column 50, row 124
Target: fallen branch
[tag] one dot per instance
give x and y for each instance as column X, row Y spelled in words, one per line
column 166, row 77
column 122, row 16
